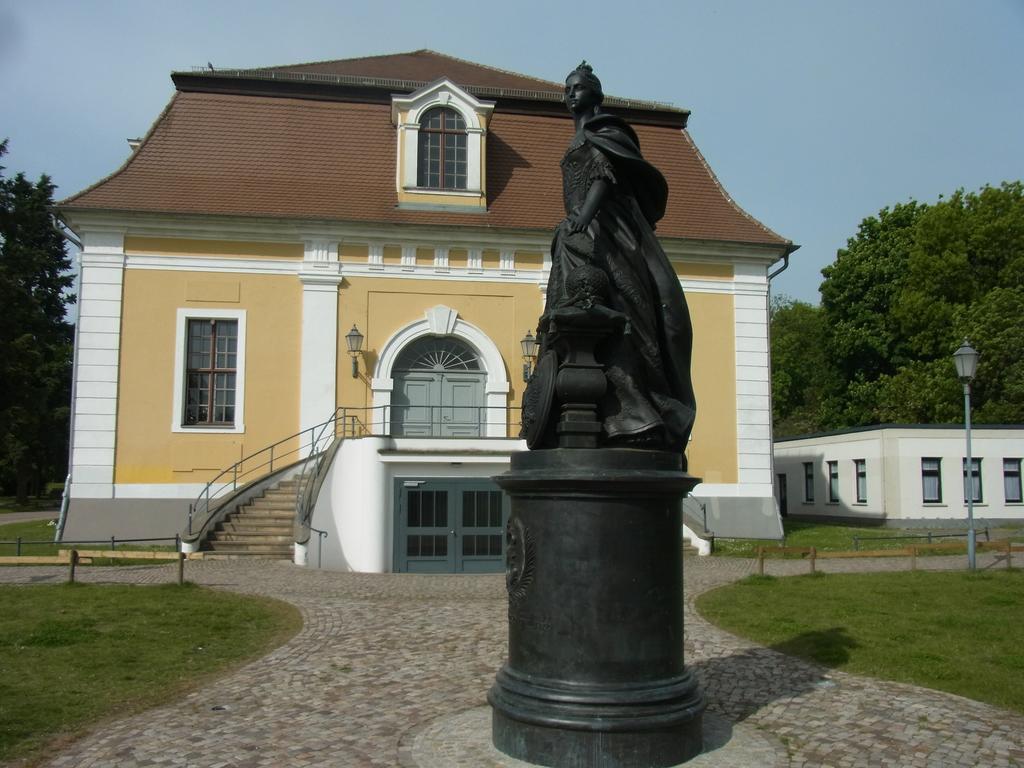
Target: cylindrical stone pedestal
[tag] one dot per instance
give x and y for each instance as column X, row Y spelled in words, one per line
column 595, row 673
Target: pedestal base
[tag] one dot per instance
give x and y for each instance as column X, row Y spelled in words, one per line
column 595, row 675
column 616, row 729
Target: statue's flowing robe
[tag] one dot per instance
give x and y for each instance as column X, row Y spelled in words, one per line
column 650, row 399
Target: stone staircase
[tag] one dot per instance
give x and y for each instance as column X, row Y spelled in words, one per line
column 688, row 549
column 260, row 529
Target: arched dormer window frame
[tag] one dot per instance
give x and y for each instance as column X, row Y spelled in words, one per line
column 445, row 129
column 407, row 112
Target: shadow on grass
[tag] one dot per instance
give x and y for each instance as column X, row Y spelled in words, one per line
column 740, row 684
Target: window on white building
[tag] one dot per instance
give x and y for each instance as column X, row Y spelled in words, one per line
column 860, row 467
column 931, row 480
column 808, row 481
column 833, row 481
column 1011, row 481
column 975, row 483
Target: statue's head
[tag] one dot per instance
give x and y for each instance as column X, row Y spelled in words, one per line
column 583, row 89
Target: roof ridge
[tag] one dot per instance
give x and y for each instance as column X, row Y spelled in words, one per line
column 559, row 86
column 332, row 61
column 431, row 51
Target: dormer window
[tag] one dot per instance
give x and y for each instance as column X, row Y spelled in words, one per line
column 442, row 150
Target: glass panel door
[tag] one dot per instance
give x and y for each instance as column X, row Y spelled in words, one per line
column 449, row 525
column 427, row 536
column 481, row 535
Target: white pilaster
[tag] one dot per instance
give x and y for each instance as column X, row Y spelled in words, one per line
column 375, row 256
column 94, row 411
column 753, row 377
column 507, row 261
column 545, row 275
column 474, row 147
column 475, row 260
column 320, row 276
column 440, row 259
column 409, row 137
column 408, row 257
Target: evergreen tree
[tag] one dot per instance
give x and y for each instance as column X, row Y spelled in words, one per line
column 35, row 338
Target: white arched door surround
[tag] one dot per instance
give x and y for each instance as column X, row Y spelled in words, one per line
column 443, row 321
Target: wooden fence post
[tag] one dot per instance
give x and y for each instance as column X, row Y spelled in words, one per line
column 760, row 561
column 913, row 557
column 72, row 562
column 1009, row 553
column 814, row 557
column 181, row 568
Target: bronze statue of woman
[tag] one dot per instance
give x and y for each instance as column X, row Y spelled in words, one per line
column 613, row 199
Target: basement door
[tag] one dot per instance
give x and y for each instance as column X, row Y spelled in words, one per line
column 449, row 525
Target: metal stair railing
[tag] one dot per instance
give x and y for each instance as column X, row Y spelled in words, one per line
column 326, row 441
column 695, row 515
column 323, row 440
column 246, row 470
column 444, row 421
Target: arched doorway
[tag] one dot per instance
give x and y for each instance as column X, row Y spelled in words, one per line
column 439, row 389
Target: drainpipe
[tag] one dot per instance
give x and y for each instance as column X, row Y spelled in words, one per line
column 785, row 262
column 771, row 405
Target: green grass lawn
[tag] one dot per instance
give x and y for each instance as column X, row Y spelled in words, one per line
column 71, row 655
column 825, row 537
column 959, row 632
column 31, row 530
column 42, row 531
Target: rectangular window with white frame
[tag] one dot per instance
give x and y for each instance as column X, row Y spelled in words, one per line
column 975, row 482
column 1011, row 481
column 860, row 470
column 833, row 482
column 808, row 481
column 209, row 371
column 931, row 480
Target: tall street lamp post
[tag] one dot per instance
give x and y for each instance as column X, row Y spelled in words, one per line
column 966, row 361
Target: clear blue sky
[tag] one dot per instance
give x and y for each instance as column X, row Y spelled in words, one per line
column 813, row 113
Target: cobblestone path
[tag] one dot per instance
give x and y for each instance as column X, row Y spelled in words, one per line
column 380, row 656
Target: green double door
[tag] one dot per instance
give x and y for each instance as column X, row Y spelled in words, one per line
column 449, row 526
column 438, row 404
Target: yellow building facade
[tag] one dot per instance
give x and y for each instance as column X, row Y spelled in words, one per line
column 223, row 266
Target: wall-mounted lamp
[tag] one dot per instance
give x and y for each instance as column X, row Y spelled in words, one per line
column 354, row 339
column 529, row 345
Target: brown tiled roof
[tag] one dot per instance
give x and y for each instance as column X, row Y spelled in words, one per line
column 426, row 66
column 279, row 156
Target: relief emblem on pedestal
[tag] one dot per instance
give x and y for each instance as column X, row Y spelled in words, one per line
column 520, row 560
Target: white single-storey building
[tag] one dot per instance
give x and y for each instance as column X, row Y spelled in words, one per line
column 901, row 474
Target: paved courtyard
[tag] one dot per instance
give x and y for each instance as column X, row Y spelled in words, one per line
column 382, row 659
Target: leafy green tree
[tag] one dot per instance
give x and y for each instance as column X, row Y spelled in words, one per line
column 861, row 289
column 908, row 288
column 963, row 248
column 995, row 325
column 35, row 338
column 799, row 365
